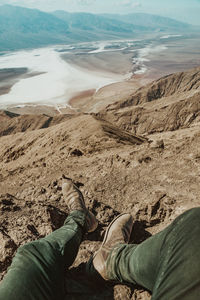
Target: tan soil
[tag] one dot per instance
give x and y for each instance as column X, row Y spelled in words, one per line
column 140, row 155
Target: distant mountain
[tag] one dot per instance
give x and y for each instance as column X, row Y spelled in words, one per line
column 30, row 28
column 91, row 27
column 91, row 22
column 24, row 28
column 153, row 22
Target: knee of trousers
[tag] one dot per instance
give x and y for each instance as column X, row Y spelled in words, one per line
column 193, row 215
column 32, row 250
column 25, row 248
column 186, row 229
column 25, row 260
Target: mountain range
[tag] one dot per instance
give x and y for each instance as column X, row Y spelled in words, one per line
column 28, row 28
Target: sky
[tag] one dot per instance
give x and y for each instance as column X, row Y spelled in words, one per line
column 183, row 10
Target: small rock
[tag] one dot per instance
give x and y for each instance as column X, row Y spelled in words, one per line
column 55, row 183
column 145, row 159
column 122, row 292
column 7, row 249
column 157, row 144
column 7, row 202
column 32, row 229
column 43, row 190
column 76, row 152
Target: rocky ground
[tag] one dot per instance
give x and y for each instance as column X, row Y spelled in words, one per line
column 140, row 155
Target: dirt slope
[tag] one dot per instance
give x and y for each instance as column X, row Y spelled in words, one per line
column 169, row 103
column 154, row 175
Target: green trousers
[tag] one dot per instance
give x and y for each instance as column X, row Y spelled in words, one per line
column 167, row 264
column 37, row 270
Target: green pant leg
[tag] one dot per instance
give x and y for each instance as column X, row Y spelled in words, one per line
column 179, row 274
column 168, row 263
column 136, row 264
column 37, row 270
column 73, row 229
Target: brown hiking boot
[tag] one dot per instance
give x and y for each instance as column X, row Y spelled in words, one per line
column 118, row 232
column 75, row 201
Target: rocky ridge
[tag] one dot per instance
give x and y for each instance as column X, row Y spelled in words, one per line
column 13, row 123
column 169, row 103
column 139, row 156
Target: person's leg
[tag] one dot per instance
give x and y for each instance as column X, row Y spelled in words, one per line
column 167, row 264
column 67, row 239
column 37, row 270
column 136, row 264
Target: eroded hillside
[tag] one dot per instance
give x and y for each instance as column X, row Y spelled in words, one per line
column 142, row 157
column 170, row 103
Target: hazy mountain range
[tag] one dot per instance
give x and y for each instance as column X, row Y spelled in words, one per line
column 28, row 28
